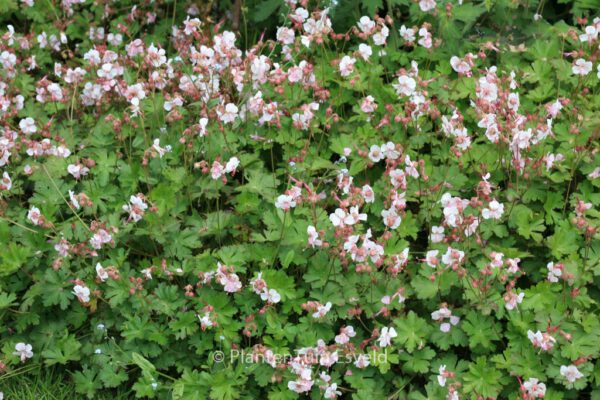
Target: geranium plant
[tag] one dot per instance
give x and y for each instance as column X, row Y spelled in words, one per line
column 402, row 208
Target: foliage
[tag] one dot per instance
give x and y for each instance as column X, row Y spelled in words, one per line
column 325, row 203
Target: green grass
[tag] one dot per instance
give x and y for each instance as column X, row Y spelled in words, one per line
column 47, row 384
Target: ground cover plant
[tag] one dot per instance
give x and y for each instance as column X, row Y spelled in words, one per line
column 365, row 200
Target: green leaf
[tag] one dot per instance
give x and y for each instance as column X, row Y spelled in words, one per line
column 412, row 331
column 482, row 379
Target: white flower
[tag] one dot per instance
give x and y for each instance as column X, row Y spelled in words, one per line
column 74, row 201
column 512, row 299
column 77, row 170
column 331, row 392
column 407, row 34
column 390, row 218
column 271, row 296
column 285, row 35
column 386, row 336
column 453, row 256
column 442, row 376
column 313, row 237
column 571, row 373
column 590, row 35
column 285, row 202
column 368, row 194
column 27, row 126
column 380, row 37
column 101, row 272
column 100, row 238
column 544, row 341
column 405, row 86
column 205, row 321
column 582, row 67
column 431, row 258
column 437, row 234
column 554, row 272
column 229, row 114
column 494, row 210
column 34, row 216
column 365, row 51
column 136, row 208
column 337, row 218
column 487, row 91
column 459, row 65
column 82, row 293
column 534, row 388
column 24, row 351
column 345, row 335
column 362, row 361
column 389, row 151
column 354, row 216
column 322, row 310
column 347, row 65
column 366, row 24
column 5, row 182
column 161, row 151
column 375, row 153
column 427, row 5
column 202, row 124
column 232, row 165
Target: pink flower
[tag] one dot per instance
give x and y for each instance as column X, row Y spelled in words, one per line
column 300, row 385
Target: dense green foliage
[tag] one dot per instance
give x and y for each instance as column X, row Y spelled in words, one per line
column 197, row 197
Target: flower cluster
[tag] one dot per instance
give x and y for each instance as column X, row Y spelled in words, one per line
column 409, row 213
